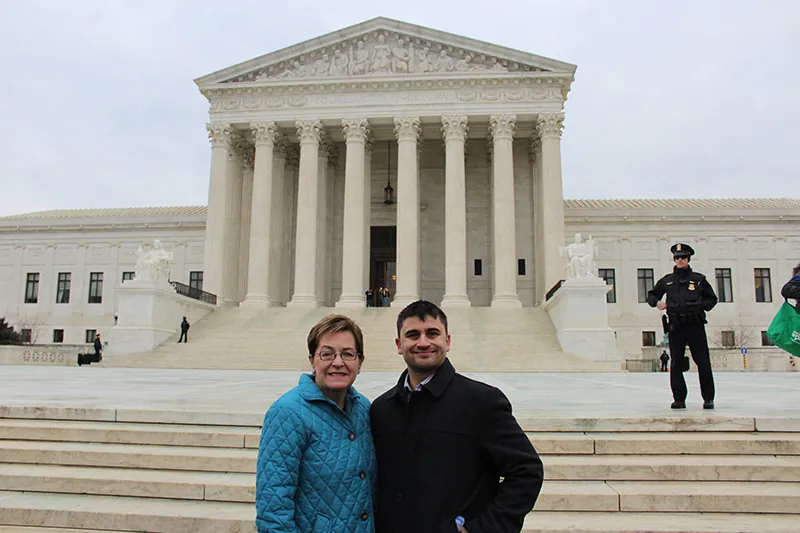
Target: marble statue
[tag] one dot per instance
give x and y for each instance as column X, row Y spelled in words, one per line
column 400, row 57
column 580, row 258
column 323, row 66
column 359, row 59
column 339, row 65
column 152, row 262
column 444, row 63
column 381, row 54
column 423, row 62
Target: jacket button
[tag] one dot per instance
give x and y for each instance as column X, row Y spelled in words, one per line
column 364, row 516
column 399, row 496
column 352, row 436
column 362, row 474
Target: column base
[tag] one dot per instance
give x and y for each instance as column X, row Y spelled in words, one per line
column 400, row 300
column 301, row 301
column 351, row 302
column 510, row 301
column 260, row 301
column 456, row 300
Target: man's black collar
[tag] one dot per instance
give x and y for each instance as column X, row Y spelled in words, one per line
column 435, row 386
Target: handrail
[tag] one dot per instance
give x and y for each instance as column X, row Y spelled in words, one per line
column 553, row 290
column 194, row 293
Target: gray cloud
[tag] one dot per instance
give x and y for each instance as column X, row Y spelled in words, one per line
column 678, row 99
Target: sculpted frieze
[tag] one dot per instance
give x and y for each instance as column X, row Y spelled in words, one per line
column 382, row 53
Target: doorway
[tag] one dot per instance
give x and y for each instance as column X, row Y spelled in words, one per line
column 383, row 263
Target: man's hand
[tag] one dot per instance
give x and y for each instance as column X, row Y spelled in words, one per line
column 661, row 305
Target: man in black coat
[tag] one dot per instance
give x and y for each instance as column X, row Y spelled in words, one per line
column 689, row 297
column 443, row 442
column 184, row 331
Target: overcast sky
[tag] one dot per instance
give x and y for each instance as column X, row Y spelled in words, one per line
column 671, row 99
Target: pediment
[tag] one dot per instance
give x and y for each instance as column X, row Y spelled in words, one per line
column 383, row 47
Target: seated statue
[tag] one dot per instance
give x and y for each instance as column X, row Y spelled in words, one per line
column 580, row 258
column 152, row 262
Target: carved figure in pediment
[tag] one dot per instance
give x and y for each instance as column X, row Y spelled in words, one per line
column 381, row 56
column 423, row 61
column 359, row 59
column 444, row 63
column 463, row 64
column 295, row 70
column 497, row 66
column 339, row 65
column 322, row 66
column 401, row 56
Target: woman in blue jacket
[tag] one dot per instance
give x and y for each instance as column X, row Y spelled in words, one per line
column 316, row 468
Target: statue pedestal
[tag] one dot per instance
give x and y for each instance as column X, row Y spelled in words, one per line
column 150, row 313
column 580, row 315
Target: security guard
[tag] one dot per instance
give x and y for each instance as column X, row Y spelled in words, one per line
column 689, row 297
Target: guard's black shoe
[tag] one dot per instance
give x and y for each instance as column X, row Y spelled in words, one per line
column 678, row 404
column 708, row 404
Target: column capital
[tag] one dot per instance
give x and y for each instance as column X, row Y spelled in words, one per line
column 535, row 149
column 502, row 126
column 369, row 144
column 326, row 147
column 238, row 145
column 549, row 126
column 292, row 155
column 407, row 128
column 355, row 129
column 248, row 154
column 264, row 133
column 280, row 146
column 454, row 127
column 219, row 133
column 309, row 131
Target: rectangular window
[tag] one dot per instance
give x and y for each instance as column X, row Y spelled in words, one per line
column 724, row 284
column 645, row 280
column 64, row 283
column 763, row 285
column 478, row 267
column 196, row 280
column 58, row 335
column 520, row 267
column 96, row 288
column 26, row 335
column 766, row 341
column 127, row 276
column 32, row 288
column 90, row 333
column 729, row 339
column 609, row 275
column 648, row 338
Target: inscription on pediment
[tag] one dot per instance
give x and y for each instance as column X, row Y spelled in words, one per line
column 382, row 53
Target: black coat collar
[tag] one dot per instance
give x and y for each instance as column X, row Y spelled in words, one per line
column 436, row 386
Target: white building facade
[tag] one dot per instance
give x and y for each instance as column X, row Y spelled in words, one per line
column 391, row 155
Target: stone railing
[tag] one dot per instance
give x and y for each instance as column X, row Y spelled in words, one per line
column 194, row 293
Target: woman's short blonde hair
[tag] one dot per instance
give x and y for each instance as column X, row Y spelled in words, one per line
column 335, row 324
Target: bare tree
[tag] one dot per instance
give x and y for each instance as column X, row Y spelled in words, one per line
column 32, row 323
column 734, row 335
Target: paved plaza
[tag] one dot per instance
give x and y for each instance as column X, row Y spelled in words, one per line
column 534, row 395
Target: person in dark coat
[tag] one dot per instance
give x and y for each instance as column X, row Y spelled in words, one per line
column 184, row 331
column 664, row 361
column 791, row 290
column 98, row 347
column 444, row 441
column 689, row 297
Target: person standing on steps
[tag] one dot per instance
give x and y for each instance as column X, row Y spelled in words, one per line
column 689, row 297
column 98, row 348
column 664, row 361
column 184, row 331
column 444, row 442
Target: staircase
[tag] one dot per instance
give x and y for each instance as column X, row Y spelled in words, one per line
column 484, row 339
column 69, row 471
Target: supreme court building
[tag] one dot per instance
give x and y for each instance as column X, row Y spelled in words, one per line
column 386, row 154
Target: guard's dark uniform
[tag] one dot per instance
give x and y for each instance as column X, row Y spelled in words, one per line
column 689, row 297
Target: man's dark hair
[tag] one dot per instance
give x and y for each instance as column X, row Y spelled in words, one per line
column 796, row 270
column 421, row 309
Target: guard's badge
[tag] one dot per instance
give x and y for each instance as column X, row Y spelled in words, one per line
column 691, row 285
column 678, row 249
column 669, row 283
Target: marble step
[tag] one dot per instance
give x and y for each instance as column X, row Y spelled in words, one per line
column 35, row 529
column 672, row 467
column 130, row 433
column 129, row 456
column 599, row 522
column 711, row 497
column 145, row 515
column 713, row 443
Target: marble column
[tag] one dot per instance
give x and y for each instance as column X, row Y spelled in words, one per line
column 353, row 243
column 309, row 133
column 247, row 157
column 290, row 216
column 501, row 128
column 278, row 246
column 536, row 190
column 552, row 199
column 260, row 242
column 407, row 130
column 454, row 129
column 368, row 149
column 213, row 254
column 323, row 209
column 233, row 223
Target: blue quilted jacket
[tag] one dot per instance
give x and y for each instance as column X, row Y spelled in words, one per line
column 316, row 470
